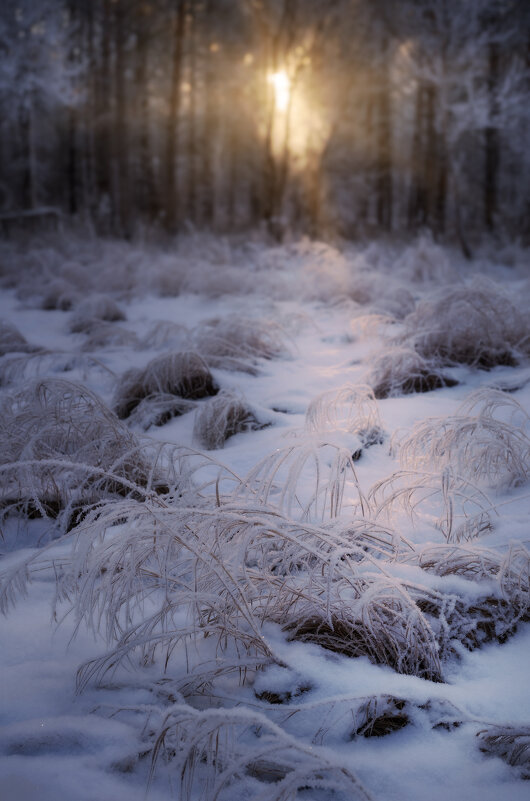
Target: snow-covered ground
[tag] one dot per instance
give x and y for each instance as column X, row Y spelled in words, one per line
column 328, row 319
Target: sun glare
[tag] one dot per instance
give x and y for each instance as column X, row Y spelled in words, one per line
column 282, row 89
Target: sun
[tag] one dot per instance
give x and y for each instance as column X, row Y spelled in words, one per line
column 282, row 90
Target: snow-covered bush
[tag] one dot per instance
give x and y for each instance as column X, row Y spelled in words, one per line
column 229, row 753
column 165, row 334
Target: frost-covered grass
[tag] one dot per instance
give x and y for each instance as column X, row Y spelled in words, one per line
column 325, row 604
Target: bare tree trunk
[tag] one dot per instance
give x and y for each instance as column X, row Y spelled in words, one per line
column 145, row 192
column 191, row 36
column 102, row 122
column 417, row 204
column 491, row 140
column 384, row 188
column 29, row 198
column 210, row 124
column 172, row 132
column 121, row 138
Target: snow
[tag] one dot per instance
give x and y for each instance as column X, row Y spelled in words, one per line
column 55, row 743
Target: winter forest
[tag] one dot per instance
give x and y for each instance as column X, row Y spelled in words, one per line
column 264, row 400
column 327, row 116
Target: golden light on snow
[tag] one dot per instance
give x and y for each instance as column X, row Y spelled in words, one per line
column 282, row 90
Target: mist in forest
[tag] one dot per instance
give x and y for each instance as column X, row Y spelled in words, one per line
column 325, row 117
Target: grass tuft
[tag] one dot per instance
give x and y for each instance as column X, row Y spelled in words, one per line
column 185, row 375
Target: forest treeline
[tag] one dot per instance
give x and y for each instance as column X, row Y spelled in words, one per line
column 343, row 116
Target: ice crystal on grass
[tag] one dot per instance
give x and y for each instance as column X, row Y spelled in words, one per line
column 455, row 506
column 510, row 743
column 307, row 478
column 224, row 753
column 479, row 446
column 352, row 409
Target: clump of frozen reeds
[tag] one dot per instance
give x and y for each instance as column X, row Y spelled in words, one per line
column 16, row 368
column 382, row 621
column 352, row 409
column 106, row 335
column 474, row 441
column 475, row 324
column 12, row 341
column 443, row 498
column 62, row 447
column 184, row 374
column 374, row 324
column 403, row 371
column 224, row 753
column 221, row 417
column 500, row 599
column 94, row 310
column 158, row 409
column 509, row 743
column 239, row 343
column 306, row 478
column 60, row 295
column 381, row 294
column 165, row 334
column 425, row 261
column 224, row 573
column 454, row 617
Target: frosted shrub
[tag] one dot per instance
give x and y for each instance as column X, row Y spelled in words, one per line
column 249, row 567
column 165, row 334
column 109, row 335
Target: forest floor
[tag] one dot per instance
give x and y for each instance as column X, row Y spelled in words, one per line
column 392, row 614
